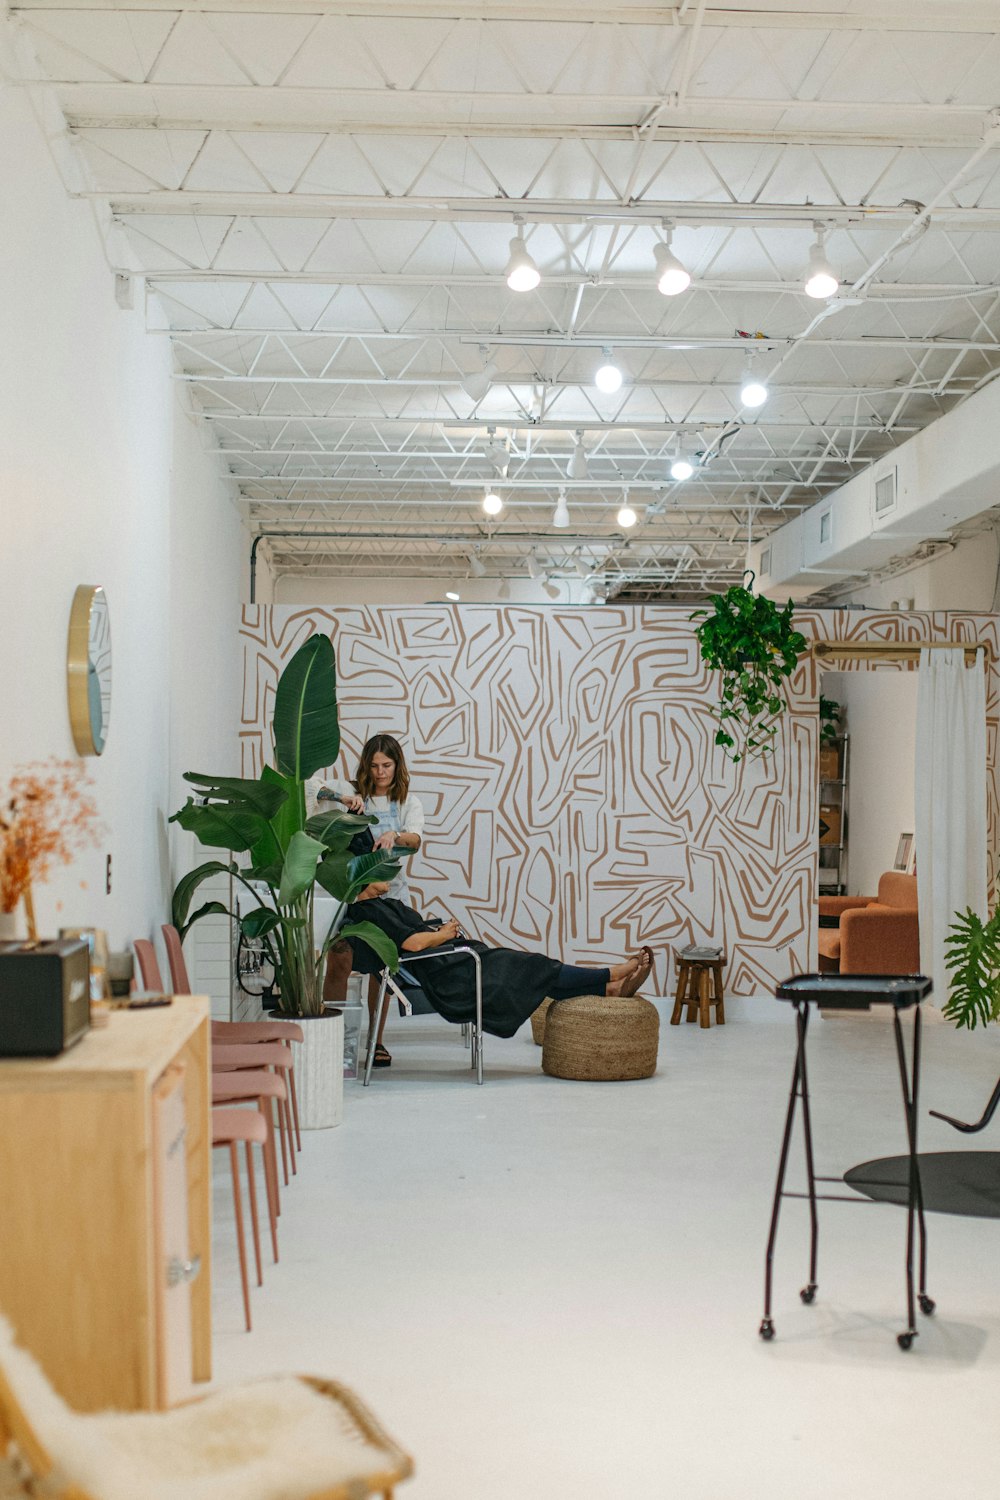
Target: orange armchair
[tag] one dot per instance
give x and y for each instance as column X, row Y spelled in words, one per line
column 877, row 934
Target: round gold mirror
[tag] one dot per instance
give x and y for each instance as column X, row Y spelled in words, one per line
column 88, row 669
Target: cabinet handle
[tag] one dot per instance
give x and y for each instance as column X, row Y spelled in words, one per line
column 182, row 1270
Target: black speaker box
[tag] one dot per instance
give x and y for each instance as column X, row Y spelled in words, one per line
column 44, row 996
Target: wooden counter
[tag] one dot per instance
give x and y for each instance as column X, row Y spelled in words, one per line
column 81, row 1206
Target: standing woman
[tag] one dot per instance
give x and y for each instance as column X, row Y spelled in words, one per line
column 381, row 788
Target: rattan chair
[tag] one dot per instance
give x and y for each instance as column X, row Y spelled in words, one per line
column 289, row 1438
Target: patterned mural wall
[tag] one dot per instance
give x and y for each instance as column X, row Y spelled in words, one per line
column 575, row 800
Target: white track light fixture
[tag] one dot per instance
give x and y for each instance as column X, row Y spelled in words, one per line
column 626, row 517
column 550, row 587
column 821, row 279
column 453, row 595
column 477, row 568
column 497, row 454
column 534, row 566
column 503, row 592
column 608, row 377
column 522, row 274
column 683, row 465
column 752, row 392
column 671, row 277
column 492, row 504
column 560, row 516
column 477, row 385
column 577, row 466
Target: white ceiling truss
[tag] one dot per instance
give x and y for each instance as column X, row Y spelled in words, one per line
column 319, row 195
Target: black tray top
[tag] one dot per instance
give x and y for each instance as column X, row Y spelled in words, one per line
column 856, row 991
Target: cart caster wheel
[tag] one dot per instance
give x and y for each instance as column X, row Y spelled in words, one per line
column 927, row 1304
column 905, row 1340
column 767, row 1330
column 808, row 1293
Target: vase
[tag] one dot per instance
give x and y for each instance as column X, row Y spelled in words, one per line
column 319, row 1071
column 10, row 926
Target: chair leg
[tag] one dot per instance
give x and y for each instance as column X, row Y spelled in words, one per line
column 240, row 1240
column 271, row 1175
column 375, row 1026
column 720, row 999
column 252, row 1192
column 704, row 1015
column 692, row 993
column 286, row 1110
column 679, row 997
column 284, row 1143
column 295, row 1106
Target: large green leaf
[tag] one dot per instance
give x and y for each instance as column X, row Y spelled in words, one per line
column 221, row 827
column 261, row 920
column 375, row 939
column 972, row 953
column 185, row 888
column 261, row 796
column 305, row 727
column 333, row 873
column 367, row 868
column 299, row 872
column 287, row 820
column 336, row 828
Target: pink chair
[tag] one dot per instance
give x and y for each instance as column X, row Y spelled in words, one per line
column 241, row 1032
column 149, row 969
column 229, row 1127
column 260, row 1086
column 276, row 1055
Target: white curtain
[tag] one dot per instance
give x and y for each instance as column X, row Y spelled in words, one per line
column 950, row 812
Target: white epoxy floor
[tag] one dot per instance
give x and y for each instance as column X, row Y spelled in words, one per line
column 553, row 1289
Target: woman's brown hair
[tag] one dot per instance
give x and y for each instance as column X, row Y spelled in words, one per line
column 382, row 744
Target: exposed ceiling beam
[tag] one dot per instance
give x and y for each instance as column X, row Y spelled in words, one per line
column 914, row 16
column 433, row 209
column 667, row 130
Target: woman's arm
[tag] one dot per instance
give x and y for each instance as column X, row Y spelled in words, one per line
column 410, row 835
column 421, row 941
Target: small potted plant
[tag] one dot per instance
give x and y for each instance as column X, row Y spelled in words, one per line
column 755, row 646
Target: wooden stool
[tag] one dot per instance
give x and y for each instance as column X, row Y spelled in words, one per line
column 699, row 986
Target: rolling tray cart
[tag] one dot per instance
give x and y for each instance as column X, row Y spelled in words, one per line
column 852, row 992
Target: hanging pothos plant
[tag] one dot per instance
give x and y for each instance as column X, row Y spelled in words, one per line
column 756, row 647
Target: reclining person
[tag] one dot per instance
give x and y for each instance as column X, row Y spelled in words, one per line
column 514, row 983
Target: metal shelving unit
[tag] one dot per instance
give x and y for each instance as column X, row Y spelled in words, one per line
column 834, row 793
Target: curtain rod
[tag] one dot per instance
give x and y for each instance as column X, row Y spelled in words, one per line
column 896, row 650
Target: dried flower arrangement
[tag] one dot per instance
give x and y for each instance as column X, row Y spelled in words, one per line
column 46, row 817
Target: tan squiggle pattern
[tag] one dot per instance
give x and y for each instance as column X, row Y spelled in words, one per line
column 575, row 801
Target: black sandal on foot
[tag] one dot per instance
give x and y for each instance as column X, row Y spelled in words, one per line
column 382, row 1058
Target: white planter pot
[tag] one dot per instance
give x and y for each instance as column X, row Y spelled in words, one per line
column 319, row 1072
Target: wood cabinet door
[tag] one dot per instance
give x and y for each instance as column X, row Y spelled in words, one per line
column 172, row 1267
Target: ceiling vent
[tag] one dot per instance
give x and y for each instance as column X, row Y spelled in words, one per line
column 885, row 493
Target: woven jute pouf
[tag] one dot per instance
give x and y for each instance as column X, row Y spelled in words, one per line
column 538, row 1022
column 601, row 1037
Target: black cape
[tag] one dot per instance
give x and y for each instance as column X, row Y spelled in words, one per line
column 514, row 984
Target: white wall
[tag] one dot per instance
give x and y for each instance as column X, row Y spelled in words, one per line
column 102, row 480
column 881, row 719
column 289, row 589
column 964, row 578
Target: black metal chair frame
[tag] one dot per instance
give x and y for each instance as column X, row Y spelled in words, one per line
column 389, row 985
column 909, row 1082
